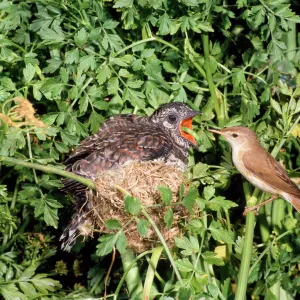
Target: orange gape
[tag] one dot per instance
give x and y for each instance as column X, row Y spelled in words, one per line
column 187, row 123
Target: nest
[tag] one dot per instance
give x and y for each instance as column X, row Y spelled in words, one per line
column 141, row 181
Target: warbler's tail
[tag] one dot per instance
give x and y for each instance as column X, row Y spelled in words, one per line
column 80, row 224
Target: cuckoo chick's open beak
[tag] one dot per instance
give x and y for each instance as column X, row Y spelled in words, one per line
column 188, row 124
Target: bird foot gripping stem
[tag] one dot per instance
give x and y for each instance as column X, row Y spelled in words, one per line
column 256, row 207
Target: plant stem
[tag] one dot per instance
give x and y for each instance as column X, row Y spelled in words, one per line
column 133, row 278
column 247, row 249
column 209, row 77
column 144, row 212
column 268, row 249
column 126, row 271
column 151, row 271
column 12, row 206
column 48, row 169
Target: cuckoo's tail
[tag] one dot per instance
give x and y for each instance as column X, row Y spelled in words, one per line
column 80, row 224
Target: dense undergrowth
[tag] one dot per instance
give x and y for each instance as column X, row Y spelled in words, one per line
column 67, row 65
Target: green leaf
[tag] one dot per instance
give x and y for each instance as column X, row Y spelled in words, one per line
column 73, row 92
column 218, row 203
column 184, row 265
column 168, row 218
column 143, row 227
column 220, row 234
column 200, row 170
column 28, row 289
column 113, row 224
column 135, row 84
column 53, row 65
column 121, row 243
column 136, row 98
column 164, row 24
column 87, row 62
column 83, row 103
column 8, row 84
column 147, row 53
column 166, row 194
column 110, row 24
column 132, row 205
column 80, row 37
column 190, row 198
column 95, row 121
column 10, row 292
column 28, row 72
column 123, row 3
column 190, row 245
column 238, row 77
column 191, row 3
column 107, row 243
column 205, row 26
column 72, row 56
column 44, row 284
column 184, row 293
column 211, row 258
column 68, row 138
column 104, row 73
column 28, row 273
column 47, row 207
column 213, row 289
column 208, row 192
column 51, row 36
column 276, row 106
column 113, row 85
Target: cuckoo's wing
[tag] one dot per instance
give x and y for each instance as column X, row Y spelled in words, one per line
column 120, row 139
column 263, row 164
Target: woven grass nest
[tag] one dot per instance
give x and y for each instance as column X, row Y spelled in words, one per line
column 141, row 181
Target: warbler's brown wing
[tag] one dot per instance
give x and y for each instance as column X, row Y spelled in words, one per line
column 264, row 167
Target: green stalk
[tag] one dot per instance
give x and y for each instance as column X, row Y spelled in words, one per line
column 263, row 225
column 12, row 206
column 151, row 271
column 290, row 38
column 161, row 238
column 247, row 249
column 133, row 278
column 278, row 213
column 48, row 169
column 128, row 268
column 209, row 78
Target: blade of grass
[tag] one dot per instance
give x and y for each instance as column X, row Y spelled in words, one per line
column 144, row 212
column 132, row 277
column 151, row 271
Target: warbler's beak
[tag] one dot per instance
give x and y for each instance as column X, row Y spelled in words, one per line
column 188, row 124
column 216, row 131
column 220, row 132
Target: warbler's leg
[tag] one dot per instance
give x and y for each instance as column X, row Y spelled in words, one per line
column 255, row 207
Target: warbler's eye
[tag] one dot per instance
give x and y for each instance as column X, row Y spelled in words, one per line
column 235, row 135
column 172, row 118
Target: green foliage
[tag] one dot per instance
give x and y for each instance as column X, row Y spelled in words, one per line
column 65, row 66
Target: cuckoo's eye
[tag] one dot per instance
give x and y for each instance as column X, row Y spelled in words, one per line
column 235, row 135
column 172, row 118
